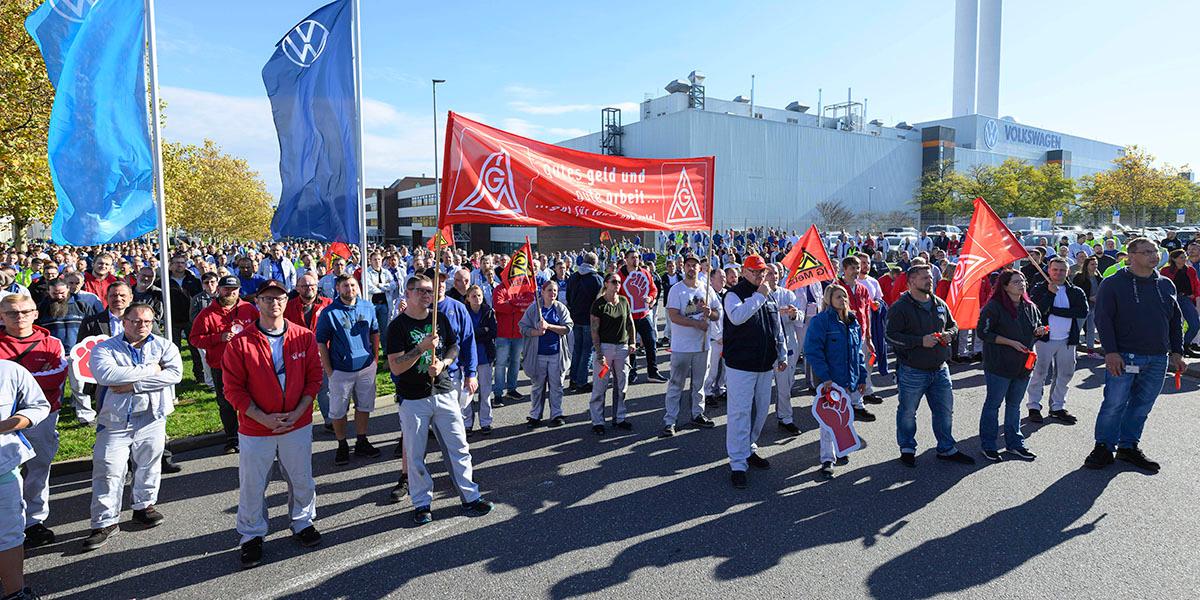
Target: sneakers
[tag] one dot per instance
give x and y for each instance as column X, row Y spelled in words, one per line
column 169, row 466
column 758, row 462
column 789, row 427
column 400, row 491
column 957, row 457
column 558, row 421
column 422, row 515
column 703, row 422
column 38, row 535
column 252, row 553
column 148, row 516
column 598, row 429
column 532, row 423
column 864, row 415
column 478, row 508
column 1064, row 416
column 363, row 448
column 826, row 469
column 1035, row 416
column 1135, row 457
column 485, row 430
column 342, row 457
column 1100, row 457
column 230, row 448
column 872, row 399
column 992, row 455
column 626, row 425
column 908, row 459
column 657, row 377
column 497, row 401
column 738, row 479
column 668, row 431
column 308, row 537
column 99, row 537
column 1022, row 453
column 514, row 395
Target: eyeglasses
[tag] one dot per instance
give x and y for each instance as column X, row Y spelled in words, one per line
column 423, row 290
column 274, row 299
column 13, row 314
column 140, row 322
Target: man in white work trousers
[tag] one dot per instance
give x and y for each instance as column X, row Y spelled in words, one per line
column 272, row 374
column 419, row 362
column 691, row 305
column 136, row 373
column 754, row 347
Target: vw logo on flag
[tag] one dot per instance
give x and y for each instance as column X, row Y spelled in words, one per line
column 304, row 44
column 73, row 10
column 991, row 134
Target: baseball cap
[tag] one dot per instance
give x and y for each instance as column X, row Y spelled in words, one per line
column 754, row 262
column 691, row 257
column 229, row 281
column 271, row 284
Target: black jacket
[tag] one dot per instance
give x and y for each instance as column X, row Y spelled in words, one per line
column 582, row 290
column 994, row 320
column 485, row 331
column 908, row 322
column 757, row 344
column 1078, row 309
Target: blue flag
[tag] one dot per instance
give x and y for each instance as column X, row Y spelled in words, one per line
column 310, row 80
column 99, row 141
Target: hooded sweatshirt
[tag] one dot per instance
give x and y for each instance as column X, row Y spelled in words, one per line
column 1138, row 315
column 41, row 354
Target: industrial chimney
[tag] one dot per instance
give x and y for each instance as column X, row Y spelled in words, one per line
column 977, row 57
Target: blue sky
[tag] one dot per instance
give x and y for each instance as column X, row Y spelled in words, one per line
column 1107, row 70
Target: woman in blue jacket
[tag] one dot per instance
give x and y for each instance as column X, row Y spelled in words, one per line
column 832, row 348
column 483, row 318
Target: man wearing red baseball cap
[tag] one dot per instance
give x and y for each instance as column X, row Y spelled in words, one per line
column 754, row 346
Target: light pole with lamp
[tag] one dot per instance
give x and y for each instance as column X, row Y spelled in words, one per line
column 870, row 189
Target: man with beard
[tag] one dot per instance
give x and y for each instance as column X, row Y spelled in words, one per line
column 146, row 292
column 304, row 310
column 348, row 341
column 227, row 316
column 38, row 290
column 62, row 313
column 919, row 328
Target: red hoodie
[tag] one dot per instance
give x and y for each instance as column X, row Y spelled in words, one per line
column 249, row 375
column 295, row 311
column 215, row 320
column 509, row 310
column 45, row 359
column 99, row 287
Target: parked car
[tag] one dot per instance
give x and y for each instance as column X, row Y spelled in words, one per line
column 947, row 229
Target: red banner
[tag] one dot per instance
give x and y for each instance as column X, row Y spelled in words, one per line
column 492, row 176
column 808, row 262
column 989, row 246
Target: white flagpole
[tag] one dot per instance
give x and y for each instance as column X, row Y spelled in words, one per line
column 358, row 149
column 164, row 257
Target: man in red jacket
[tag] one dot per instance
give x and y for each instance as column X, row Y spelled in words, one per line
column 101, row 276
column 303, row 310
column 637, row 285
column 227, row 316
column 42, row 354
column 271, row 374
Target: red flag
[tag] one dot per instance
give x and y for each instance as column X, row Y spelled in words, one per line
column 492, row 176
column 989, row 246
column 444, row 237
column 518, row 276
column 808, row 262
column 336, row 249
column 606, row 236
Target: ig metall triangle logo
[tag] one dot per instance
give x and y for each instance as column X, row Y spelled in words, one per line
column 494, row 193
column 684, row 206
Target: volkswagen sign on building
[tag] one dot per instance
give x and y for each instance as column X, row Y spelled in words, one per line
column 991, row 133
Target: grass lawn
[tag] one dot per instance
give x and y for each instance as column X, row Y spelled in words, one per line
column 195, row 413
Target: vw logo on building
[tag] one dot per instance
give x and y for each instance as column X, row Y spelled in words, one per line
column 304, row 44
column 991, row 133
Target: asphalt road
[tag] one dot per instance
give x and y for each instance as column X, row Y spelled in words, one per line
column 633, row 516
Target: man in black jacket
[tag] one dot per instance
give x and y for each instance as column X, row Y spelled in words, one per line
column 920, row 328
column 582, row 289
column 1061, row 305
column 754, row 345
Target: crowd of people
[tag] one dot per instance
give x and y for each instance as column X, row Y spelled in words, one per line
column 274, row 328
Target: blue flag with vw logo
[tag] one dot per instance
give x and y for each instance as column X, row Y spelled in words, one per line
column 98, row 144
column 310, row 80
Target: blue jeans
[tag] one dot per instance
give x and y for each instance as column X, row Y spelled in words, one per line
column 1188, row 307
column 936, row 388
column 323, row 398
column 1128, row 399
column 508, row 362
column 581, row 354
column 1010, row 391
column 381, row 316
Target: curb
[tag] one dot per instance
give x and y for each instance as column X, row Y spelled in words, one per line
column 84, row 464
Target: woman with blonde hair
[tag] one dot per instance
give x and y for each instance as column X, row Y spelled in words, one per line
column 833, row 348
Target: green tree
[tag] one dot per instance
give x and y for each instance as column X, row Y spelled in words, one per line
column 1133, row 186
column 943, row 193
column 26, row 191
column 213, row 194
